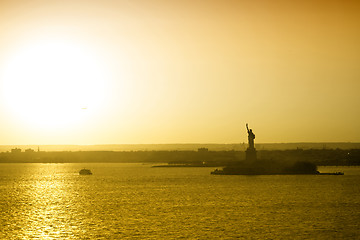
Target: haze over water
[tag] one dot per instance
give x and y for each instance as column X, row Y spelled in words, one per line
column 135, row 201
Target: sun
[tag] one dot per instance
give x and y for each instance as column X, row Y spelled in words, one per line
column 53, row 84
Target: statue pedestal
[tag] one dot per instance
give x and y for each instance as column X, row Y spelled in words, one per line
column 250, row 154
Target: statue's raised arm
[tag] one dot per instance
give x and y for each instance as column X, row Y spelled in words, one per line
column 247, row 127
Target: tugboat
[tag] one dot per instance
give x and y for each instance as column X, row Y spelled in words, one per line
column 85, row 172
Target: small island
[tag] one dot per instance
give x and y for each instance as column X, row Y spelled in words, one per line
column 253, row 166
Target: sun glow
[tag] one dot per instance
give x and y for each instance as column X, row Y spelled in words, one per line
column 53, row 84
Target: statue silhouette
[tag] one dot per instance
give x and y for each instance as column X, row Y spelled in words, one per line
column 251, row 137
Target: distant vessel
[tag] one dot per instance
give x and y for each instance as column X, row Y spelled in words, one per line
column 85, row 172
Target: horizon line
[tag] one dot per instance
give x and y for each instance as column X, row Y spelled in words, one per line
column 240, row 143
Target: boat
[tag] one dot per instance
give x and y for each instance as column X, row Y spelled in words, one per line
column 85, row 171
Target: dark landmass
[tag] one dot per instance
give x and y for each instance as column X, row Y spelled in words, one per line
column 202, row 157
column 271, row 167
column 186, row 147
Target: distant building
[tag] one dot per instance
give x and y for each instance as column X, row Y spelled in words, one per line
column 16, row 150
column 203, row 150
column 29, row 150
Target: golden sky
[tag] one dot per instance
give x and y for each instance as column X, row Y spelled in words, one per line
column 98, row 72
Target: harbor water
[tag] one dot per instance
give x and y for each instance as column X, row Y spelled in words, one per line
column 135, row 201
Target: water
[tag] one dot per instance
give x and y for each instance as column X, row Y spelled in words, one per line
column 135, row 201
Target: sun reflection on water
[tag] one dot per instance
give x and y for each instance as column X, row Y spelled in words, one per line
column 51, row 201
column 47, row 205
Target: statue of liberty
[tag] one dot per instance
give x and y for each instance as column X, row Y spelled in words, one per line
column 251, row 137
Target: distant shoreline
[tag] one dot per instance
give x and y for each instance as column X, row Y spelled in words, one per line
column 185, row 146
column 200, row 157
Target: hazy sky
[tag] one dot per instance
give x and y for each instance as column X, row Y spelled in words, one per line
column 97, row 72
